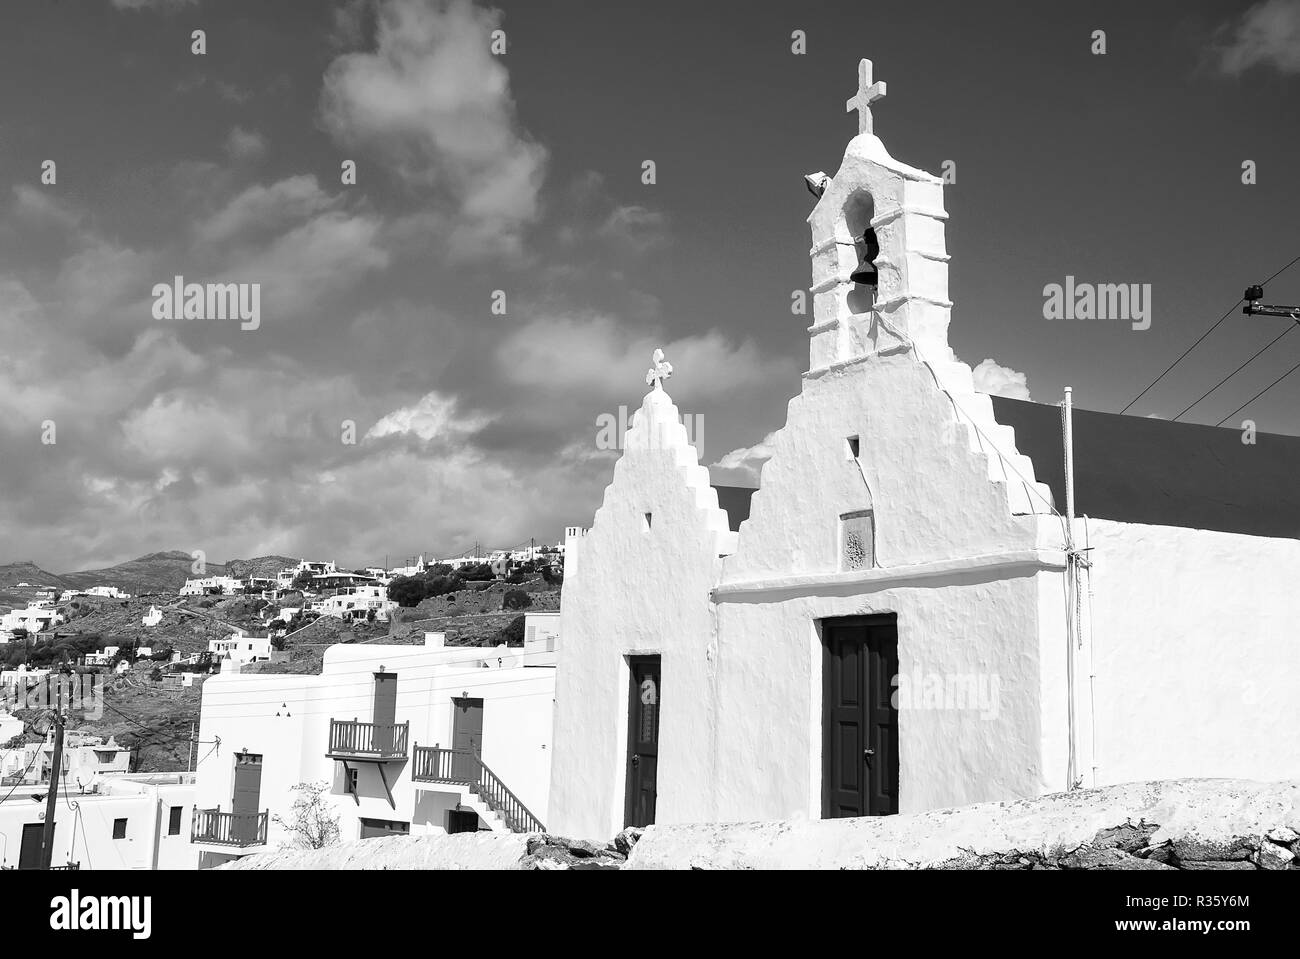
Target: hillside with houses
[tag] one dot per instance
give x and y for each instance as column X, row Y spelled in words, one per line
column 155, row 648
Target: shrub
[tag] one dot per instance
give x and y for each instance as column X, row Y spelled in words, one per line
column 512, row 635
column 516, row 599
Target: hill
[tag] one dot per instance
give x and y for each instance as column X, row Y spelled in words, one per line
column 12, row 574
column 165, row 571
column 258, row 566
column 151, row 573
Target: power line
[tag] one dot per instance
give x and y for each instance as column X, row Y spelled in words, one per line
column 1212, row 328
column 1238, row 369
column 1258, row 395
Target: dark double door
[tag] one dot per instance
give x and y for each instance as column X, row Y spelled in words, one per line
column 860, row 723
column 642, row 740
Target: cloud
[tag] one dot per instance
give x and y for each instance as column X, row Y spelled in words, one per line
column 245, row 145
column 262, row 208
column 434, row 416
column 997, row 380
column 635, row 225
column 746, row 462
column 1268, row 34
column 434, row 103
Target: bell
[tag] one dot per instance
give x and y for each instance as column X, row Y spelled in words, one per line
column 869, row 249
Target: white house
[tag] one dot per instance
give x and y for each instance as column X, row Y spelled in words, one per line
column 38, row 616
column 134, row 821
column 241, row 649
column 21, row 677
column 409, row 739
column 905, row 620
column 107, row 592
column 287, row 575
column 153, row 617
column 10, row 726
column 357, row 602
column 212, row 586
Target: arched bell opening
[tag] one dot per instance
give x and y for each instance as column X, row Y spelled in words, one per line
column 858, row 213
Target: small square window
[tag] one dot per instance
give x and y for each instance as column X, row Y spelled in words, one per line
column 645, row 522
column 119, row 828
column 174, row 821
column 350, row 786
column 853, row 446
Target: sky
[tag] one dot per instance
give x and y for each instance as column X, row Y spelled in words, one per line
column 382, row 407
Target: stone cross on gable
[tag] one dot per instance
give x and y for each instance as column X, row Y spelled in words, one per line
column 661, row 370
column 861, row 101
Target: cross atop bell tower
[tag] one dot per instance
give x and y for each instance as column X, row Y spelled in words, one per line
column 868, row 93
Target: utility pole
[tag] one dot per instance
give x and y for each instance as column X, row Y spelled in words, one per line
column 52, row 797
column 190, row 766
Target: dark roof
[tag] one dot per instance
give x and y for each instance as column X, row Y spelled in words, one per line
column 1143, row 470
column 735, row 500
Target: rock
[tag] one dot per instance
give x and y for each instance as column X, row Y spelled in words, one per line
column 1219, row 864
column 1282, row 834
column 1195, row 848
column 625, row 840
column 583, row 848
column 1273, row 856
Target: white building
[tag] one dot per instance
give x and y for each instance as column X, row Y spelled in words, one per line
column 212, row 586
column 10, row 726
column 153, row 617
column 357, row 603
column 134, row 821
column 107, row 592
column 38, row 616
column 542, row 630
column 399, row 733
column 241, row 649
column 290, row 573
column 21, row 677
column 904, row 621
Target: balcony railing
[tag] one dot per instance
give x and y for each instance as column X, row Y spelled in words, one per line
column 219, row 828
column 351, row 739
column 465, row 767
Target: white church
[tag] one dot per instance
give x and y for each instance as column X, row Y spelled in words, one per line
column 903, row 616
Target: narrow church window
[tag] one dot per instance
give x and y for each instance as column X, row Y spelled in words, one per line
column 858, row 213
column 645, row 523
column 857, row 540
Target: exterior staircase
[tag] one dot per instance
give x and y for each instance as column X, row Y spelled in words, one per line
column 483, row 789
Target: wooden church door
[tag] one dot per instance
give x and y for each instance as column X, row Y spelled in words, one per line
column 642, row 741
column 859, row 721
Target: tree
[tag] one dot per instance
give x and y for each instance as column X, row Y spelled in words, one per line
column 516, row 599
column 313, row 823
column 302, row 580
column 406, row 590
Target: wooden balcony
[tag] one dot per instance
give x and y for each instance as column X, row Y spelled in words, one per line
column 352, row 740
column 216, row 828
column 464, row 767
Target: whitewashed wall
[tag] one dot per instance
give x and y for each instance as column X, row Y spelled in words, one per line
column 629, row 591
column 1195, row 636
column 85, row 834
